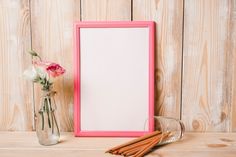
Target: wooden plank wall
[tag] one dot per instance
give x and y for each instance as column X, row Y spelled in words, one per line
column 168, row 16
column 52, row 29
column 195, row 53
column 15, row 92
column 208, row 65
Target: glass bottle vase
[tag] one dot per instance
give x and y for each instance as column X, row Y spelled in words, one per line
column 167, row 125
column 46, row 126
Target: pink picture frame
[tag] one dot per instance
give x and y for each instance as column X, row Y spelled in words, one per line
column 77, row 77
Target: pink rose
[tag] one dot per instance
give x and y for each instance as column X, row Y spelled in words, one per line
column 51, row 68
column 55, row 70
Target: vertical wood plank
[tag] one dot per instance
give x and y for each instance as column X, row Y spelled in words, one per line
column 52, row 37
column 168, row 15
column 232, row 54
column 106, row 10
column 15, row 92
column 207, row 65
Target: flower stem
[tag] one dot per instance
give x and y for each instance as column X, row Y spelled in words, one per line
column 55, row 122
column 47, row 111
column 40, row 112
column 52, row 122
column 51, row 111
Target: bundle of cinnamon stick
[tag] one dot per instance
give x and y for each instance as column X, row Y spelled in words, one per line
column 140, row 146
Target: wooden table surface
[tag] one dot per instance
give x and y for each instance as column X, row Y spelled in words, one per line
column 23, row 144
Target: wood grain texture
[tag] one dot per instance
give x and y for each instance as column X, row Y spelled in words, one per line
column 206, row 29
column 106, row 10
column 232, row 54
column 193, row 145
column 168, row 15
column 52, row 37
column 207, row 65
column 15, row 103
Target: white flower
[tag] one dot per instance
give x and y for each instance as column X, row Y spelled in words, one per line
column 31, row 74
column 41, row 72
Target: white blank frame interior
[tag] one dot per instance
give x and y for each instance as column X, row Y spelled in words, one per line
column 113, row 78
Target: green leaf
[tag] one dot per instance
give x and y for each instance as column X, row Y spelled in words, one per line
column 33, row 53
column 36, row 80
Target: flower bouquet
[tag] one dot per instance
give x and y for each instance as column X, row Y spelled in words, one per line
column 43, row 73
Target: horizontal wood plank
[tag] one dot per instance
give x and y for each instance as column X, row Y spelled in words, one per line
column 193, row 144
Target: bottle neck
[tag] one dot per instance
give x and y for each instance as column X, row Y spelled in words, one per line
column 48, row 93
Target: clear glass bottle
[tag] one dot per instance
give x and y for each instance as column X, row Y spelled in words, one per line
column 47, row 127
column 171, row 126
